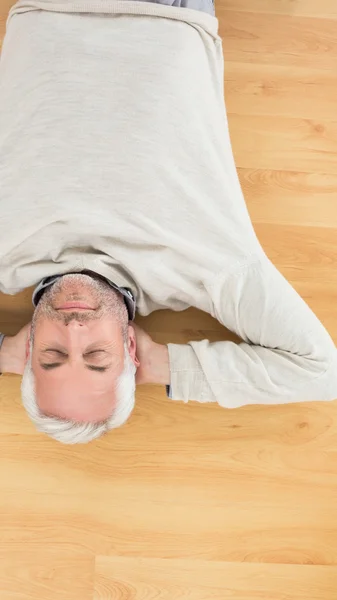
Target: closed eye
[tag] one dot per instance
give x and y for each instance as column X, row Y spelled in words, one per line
column 51, row 366
column 93, row 355
column 98, row 369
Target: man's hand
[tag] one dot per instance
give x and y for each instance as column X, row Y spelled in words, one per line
column 153, row 358
column 13, row 352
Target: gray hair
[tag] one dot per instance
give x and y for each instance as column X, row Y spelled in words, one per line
column 70, row 432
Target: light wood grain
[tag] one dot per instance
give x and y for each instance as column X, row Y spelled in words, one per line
column 201, row 580
column 290, row 197
column 45, row 573
column 326, row 9
column 258, row 89
column 280, row 40
column 284, row 143
column 190, row 501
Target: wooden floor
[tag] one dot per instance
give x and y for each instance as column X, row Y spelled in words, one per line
column 190, row 502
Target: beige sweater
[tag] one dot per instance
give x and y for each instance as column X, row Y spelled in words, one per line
column 115, row 156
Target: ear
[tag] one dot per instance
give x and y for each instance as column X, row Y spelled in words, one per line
column 28, row 344
column 132, row 345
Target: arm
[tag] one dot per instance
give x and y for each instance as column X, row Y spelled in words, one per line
column 286, row 354
column 13, row 352
column 153, row 358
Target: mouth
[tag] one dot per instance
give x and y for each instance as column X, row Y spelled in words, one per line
column 75, row 306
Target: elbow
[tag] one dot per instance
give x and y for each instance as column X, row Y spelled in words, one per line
column 323, row 385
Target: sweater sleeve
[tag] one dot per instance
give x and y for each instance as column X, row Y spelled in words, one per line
column 286, row 354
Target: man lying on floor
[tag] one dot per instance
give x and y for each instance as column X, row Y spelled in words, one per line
column 119, row 191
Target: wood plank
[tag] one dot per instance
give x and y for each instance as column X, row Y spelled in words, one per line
column 325, row 9
column 30, row 573
column 290, row 198
column 269, row 485
column 200, row 580
column 267, row 90
column 284, row 144
column 278, row 39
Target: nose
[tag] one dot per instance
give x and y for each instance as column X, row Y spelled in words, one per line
column 74, row 323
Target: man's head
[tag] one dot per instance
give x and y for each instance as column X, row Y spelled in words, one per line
column 79, row 379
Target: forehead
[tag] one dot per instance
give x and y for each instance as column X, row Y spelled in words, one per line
column 86, row 396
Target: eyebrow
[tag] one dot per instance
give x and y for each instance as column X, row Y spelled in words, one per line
column 51, row 366
column 61, row 350
column 89, row 350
